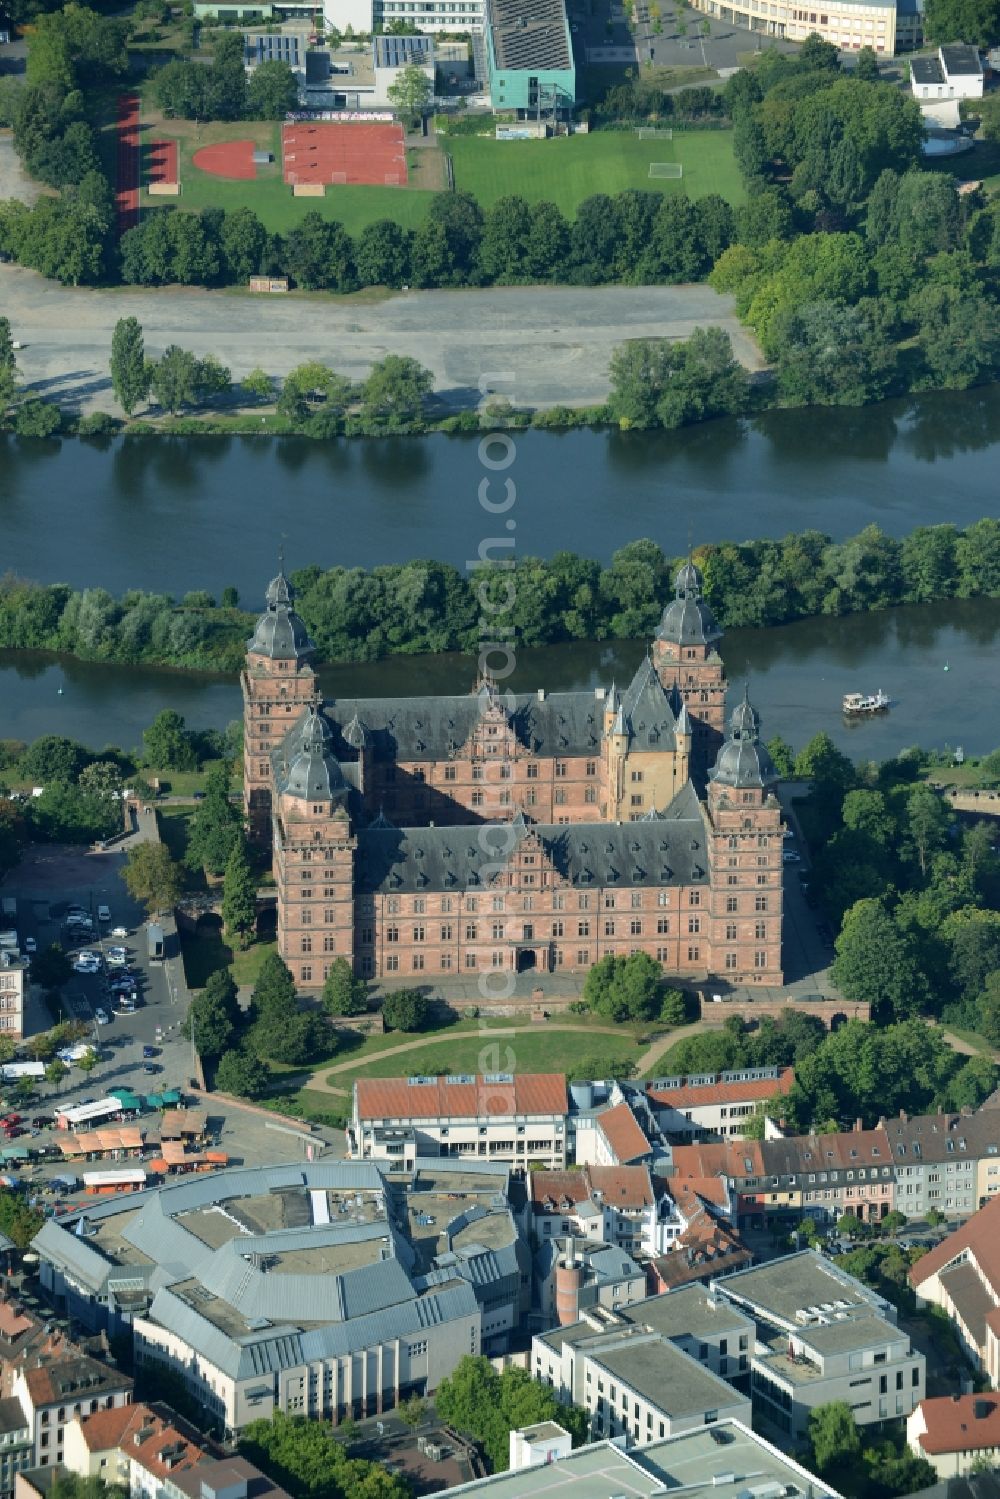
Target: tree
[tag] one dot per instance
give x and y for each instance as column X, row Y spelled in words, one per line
column 37, row 418
column 343, row 993
column 213, row 1017
column 673, row 1007
column 305, row 1458
column 129, row 374
column 244, row 243
column 657, row 382
column 831, row 355
column 629, row 988
column 50, row 967
column 410, row 91
column 275, row 1000
column 216, row 826
column 975, row 21
column 867, row 66
column 382, row 254
column 242, row 1073
column 396, row 389
column 256, row 383
column 17, row 1220
column 893, row 1222
column 239, row 894
column 173, row 378
column 53, row 758
column 875, row 962
column 152, row 877
column 55, row 1071
column 88, row 1062
column 8, row 366
column 833, row 1434
column 475, row 1399
column 927, row 823
column 272, row 91
column 167, row 743
column 406, row 1010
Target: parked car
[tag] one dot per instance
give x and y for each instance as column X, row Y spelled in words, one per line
column 119, row 931
column 150, row 1051
column 104, row 914
column 76, row 911
column 118, row 953
column 42, row 1121
column 791, row 856
column 30, row 945
column 152, row 1067
column 101, row 1016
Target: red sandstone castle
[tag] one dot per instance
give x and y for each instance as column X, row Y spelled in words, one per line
column 423, row 836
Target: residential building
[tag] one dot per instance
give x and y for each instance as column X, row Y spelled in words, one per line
column 823, row 1336
column 937, row 1160
column 55, row 1390
column 510, row 1117
column 317, row 1288
column 620, row 1140
column 707, row 1246
column 956, row 1432
column 633, row 1382
column 97, row 1446
column 13, row 984
column 16, row 1444
column 612, row 1204
column 825, row 1176
column 661, row 1364
column 724, row 1459
column 591, row 835
column 718, row 1105
column 961, row 1275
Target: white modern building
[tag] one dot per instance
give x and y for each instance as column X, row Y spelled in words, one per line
column 823, row 1336
column 716, row 1105
column 887, row 26
column 518, row 1118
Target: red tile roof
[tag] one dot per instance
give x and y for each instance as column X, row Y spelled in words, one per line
column 619, row 1186
column 690, row 1095
column 953, row 1425
column 106, row 1429
column 557, row 1187
column 733, row 1158
column 621, row 1130
column 980, row 1237
column 622, row 1186
column 446, row 1098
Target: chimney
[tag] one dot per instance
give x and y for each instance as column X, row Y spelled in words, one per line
column 902, row 1115
column 859, row 1125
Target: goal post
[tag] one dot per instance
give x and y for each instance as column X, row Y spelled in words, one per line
column 654, row 133
column 672, row 169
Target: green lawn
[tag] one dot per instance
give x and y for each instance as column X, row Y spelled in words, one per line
column 538, row 1050
column 570, row 168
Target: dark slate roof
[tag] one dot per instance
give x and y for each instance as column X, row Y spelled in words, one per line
column 649, row 717
column 304, row 763
column 433, row 728
column 743, row 760
column 280, row 634
column 688, row 620
column 669, row 851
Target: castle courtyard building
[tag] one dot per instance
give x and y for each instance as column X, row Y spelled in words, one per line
column 499, row 833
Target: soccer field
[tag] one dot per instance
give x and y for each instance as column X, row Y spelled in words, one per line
column 570, row 168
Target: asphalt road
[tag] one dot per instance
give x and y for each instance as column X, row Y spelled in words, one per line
column 539, row 346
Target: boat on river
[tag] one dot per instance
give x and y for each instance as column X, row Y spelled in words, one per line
column 857, row 704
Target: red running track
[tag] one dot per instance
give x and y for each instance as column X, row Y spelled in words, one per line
column 127, row 180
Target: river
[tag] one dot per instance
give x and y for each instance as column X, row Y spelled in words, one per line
column 798, row 674
column 175, row 514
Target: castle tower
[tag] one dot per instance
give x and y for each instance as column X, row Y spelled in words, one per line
column 314, row 846
column 745, row 855
column 686, row 660
column 278, row 681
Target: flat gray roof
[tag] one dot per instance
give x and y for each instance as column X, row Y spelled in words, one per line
column 690, row 1311
column 797, row 1282
column 717, row 1459
column 530, row 34
column 668, row 1378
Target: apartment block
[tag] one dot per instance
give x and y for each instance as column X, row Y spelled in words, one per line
column 822, row 1336
column 515, row 1118
column 716, row 1105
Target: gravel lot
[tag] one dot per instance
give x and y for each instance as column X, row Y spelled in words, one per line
column 14, row 182
column 556, row 341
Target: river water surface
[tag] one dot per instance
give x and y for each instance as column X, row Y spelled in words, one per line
column 175, row 514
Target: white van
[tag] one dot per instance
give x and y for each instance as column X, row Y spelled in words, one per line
column 104, row 914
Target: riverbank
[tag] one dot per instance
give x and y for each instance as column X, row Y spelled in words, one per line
column 539, row 346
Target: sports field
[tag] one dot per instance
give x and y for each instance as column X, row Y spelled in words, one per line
column 571, row 168
column 268, row 196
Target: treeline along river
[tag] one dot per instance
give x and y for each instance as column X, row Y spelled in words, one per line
column 176, row 515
